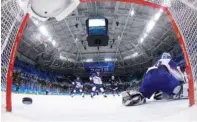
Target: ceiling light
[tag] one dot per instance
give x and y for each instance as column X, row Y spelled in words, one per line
column 76, row 40
column 109, row 59
column 135, row 54
column 54, row 43
column 145, row 35
column 62, row 57
column 66, row 58
column 150, row 26
column 119, row 37
column 158, row 14
column 70, row 59
column 43, row 30
column 131, row 56
column 141, row 40
column 89, row 60
column 127, row 57
column 37, row 36
column 20, row 3
column 132, row 12
column 50, row 39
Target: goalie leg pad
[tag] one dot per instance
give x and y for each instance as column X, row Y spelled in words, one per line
column 132, row 98
column 181, row 91
column 177, row 89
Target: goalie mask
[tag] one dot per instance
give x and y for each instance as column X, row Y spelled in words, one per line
column 166, row 56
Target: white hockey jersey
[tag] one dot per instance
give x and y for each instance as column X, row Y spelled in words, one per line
column 77, row 83
column 171, row 66
column 96, row 79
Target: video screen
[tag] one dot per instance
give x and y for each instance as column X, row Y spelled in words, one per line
column 97, row 26
column 99, row 67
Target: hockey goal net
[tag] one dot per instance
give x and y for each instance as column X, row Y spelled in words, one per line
column 13, row 20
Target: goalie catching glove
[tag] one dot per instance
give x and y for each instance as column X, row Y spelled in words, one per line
column 131, row 98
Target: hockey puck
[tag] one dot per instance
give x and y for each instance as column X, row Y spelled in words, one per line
column 27, row 100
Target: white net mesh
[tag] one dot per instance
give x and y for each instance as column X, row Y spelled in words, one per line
column 183, row 11
column 11, row 16
column 186, row 18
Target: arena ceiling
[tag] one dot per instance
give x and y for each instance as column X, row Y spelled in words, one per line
column 137, row 34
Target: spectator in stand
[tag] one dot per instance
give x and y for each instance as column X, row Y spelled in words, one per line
column 17, row 87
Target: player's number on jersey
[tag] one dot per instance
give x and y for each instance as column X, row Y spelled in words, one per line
column 158, row 64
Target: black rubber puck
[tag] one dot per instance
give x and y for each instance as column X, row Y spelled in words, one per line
column 27, row 100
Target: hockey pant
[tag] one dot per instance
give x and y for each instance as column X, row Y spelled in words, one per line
column 97, row 87
column 114, row 89
column 159, row 80
column 74, row 90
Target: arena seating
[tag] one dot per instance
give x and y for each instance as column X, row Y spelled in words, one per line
column 32, row 80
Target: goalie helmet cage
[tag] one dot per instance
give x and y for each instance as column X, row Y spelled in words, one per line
column 182, row 14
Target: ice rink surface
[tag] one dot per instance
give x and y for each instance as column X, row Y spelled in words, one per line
column 64, row 108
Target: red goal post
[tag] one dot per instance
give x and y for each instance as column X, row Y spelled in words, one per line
column 11, row 63
column 13, row 36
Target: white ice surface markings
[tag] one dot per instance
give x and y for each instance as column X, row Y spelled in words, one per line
column 65, row 108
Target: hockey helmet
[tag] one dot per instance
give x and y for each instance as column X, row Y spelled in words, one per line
column 98, row 73
column 78, row 77
column 166, row 56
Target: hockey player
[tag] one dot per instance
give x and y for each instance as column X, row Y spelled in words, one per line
column 97, row 84
column 114, row 85
column 163, row 77
column 77, row 86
